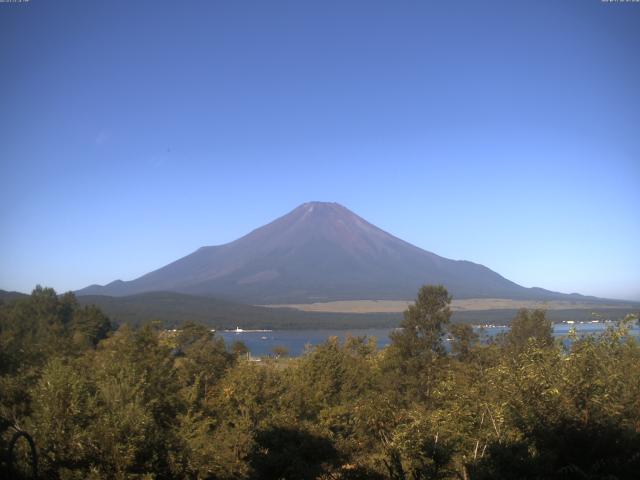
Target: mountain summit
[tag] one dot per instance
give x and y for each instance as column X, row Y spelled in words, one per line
column 319, row 252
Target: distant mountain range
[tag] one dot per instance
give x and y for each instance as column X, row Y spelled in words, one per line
column 174, row 309
column 321, row 252
column 7, row 297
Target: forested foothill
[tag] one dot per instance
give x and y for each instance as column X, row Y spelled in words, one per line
column 140, row 402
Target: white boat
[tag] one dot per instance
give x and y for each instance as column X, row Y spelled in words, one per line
column 242, row 330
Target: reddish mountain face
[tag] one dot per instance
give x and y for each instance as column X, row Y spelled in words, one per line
column 319, row 252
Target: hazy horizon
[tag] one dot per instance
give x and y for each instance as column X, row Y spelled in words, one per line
column 501, row 133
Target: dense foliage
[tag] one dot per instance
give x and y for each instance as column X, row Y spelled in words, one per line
column 147, row 403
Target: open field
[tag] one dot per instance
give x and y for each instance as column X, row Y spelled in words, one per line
column 463, row 305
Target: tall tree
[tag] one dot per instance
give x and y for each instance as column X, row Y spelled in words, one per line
column 424, row 322
column 413, row 358
column 530, row 325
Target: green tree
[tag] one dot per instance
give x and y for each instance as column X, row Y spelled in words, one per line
column 249, row 398
column 464, row 340
column 417, row 451
column 568, row 415
column 137, row 402
column 89, row 325
column 529, row 325
column 424, row 322
column 292, row 454
column 239, row 348
column 202, row 361
column 63, row 412
column 413, row 358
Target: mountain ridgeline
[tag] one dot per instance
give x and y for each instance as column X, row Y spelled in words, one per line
column 320, row 252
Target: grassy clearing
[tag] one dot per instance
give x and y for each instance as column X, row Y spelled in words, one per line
column 470, row 304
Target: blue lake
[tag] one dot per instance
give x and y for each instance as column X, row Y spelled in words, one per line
column 261, row 343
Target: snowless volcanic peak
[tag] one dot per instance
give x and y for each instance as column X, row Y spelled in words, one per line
column 322, row 221
column 319, row 252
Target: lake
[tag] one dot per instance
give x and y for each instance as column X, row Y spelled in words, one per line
column 261, row 343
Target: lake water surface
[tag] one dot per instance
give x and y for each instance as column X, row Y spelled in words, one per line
column 261, row 343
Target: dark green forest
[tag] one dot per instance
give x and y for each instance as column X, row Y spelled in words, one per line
column 138, row 402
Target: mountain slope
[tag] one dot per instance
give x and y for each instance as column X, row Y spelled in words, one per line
column 319, row 252
column 6, row 297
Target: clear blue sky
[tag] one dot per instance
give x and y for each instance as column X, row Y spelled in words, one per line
column 502, row 132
